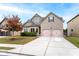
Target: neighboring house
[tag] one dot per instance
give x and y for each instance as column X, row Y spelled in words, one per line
column 51, row 25
column 73, row 26
column 3, row 29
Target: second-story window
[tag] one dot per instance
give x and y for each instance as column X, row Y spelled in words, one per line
column 50, row 19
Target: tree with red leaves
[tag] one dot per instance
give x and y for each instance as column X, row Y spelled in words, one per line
column 14, row 24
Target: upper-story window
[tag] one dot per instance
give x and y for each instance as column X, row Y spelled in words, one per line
column 50, row 19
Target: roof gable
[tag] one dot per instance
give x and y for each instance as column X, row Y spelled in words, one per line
column 30, row 23
column 32, row 20
column 43, row 18
column 73, row 18
column 37, row 19
column 36, row 15
column 3, row 20
column 54, row 15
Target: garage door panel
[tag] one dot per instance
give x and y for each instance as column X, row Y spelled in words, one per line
column 46, row 33
column 57, row 33
column 52, row 33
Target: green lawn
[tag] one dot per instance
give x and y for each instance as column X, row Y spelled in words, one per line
column 18, row 40
column 73, row 40
column 6, row 48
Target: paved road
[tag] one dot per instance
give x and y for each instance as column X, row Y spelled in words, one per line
column 48, row 46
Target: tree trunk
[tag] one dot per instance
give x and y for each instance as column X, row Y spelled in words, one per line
column 12, row 33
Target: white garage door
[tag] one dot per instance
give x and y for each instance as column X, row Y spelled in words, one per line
column 57, row 33
column 46, row 33
column 53, row 33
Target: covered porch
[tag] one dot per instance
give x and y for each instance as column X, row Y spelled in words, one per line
column 33, row 29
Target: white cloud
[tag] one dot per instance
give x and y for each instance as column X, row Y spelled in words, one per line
column 9, row 8
column 26, row 11
column 15, row 9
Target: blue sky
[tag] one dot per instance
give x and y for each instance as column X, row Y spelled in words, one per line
column 26, row 10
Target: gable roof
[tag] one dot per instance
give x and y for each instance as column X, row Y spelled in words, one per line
column 31, row 21
column 43, row 18
column 38, row 16
column 54, row 15
column 3, row 20
column 35, row 16
column 73, row 18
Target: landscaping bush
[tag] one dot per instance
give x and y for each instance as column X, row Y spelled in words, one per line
column 28, row 34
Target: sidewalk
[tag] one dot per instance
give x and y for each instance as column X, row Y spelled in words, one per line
column 2, row 36
column 10, row 45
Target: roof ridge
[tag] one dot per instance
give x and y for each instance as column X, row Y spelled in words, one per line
column 35, row 15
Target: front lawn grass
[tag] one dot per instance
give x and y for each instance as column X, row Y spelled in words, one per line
column 6, row 48
column 73, row 40
column 18, row 40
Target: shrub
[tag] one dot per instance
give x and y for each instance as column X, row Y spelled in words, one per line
column 28, row 34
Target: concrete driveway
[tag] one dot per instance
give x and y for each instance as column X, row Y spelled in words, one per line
column 48, row 46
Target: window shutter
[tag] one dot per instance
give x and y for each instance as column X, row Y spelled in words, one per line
column 53, row 19
column 48, row 19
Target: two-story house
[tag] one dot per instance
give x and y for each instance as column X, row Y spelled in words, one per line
column 51, row 25
column 73, row 26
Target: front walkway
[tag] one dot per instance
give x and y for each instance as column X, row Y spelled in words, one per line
column 48, row 46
